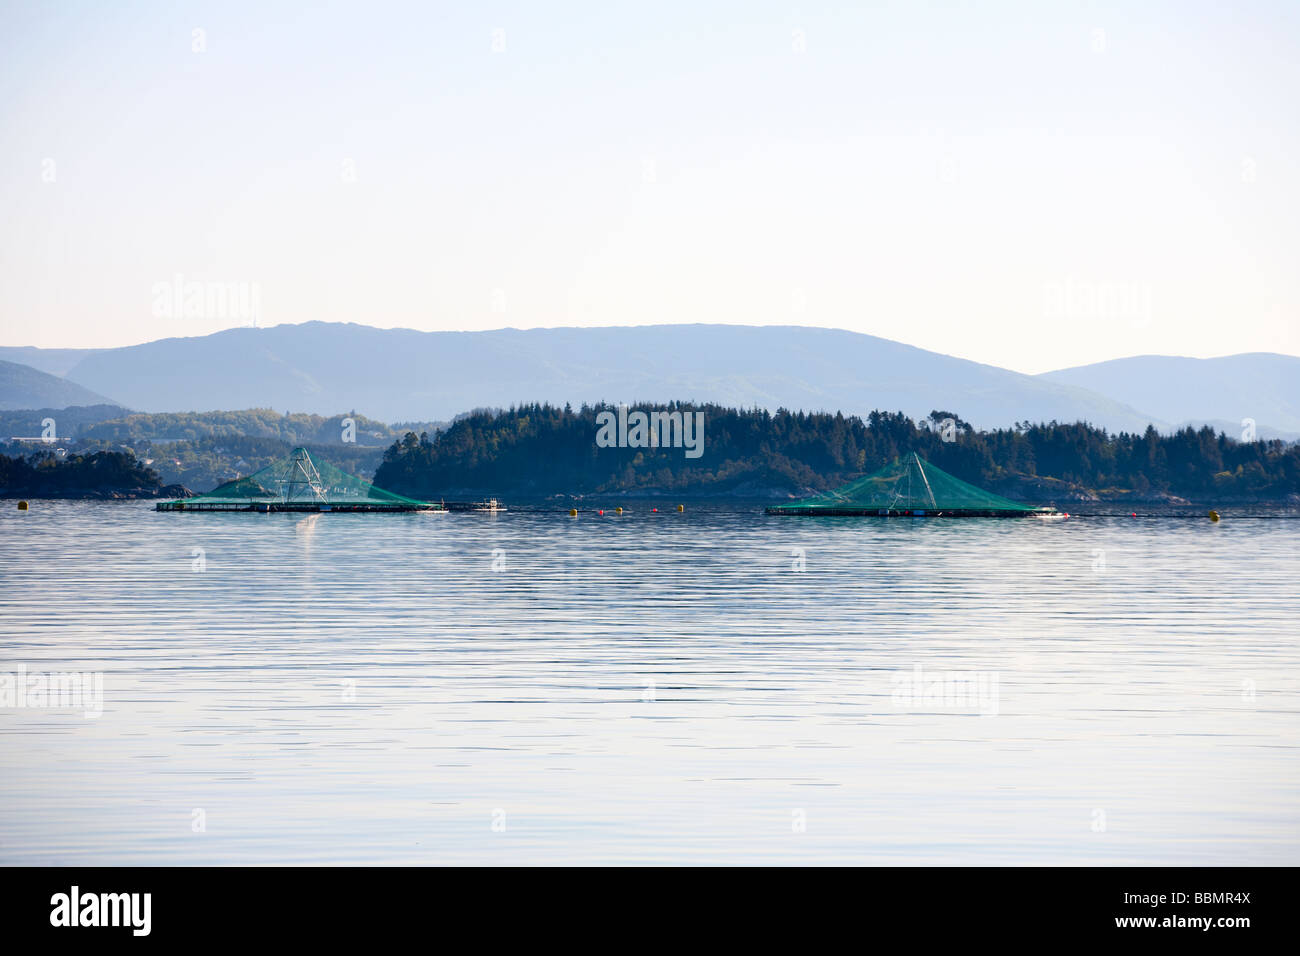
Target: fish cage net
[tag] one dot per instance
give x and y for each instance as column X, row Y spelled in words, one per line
column 297, row 482
column 910, row 485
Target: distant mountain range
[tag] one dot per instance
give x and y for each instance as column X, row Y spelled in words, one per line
column 55, row 361
column 22, row 386
column 400, row 374
column 1261, row 386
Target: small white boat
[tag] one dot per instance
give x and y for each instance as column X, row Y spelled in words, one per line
column 491, row 506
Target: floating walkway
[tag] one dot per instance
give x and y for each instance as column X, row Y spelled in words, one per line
column 912, row 513
column 911, row 487
column 190, row 504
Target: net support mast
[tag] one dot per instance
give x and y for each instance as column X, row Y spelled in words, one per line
column 303, row 480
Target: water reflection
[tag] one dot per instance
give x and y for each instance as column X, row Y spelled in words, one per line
column 711, row 686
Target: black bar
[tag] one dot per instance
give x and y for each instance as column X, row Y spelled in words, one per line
column 975, row 907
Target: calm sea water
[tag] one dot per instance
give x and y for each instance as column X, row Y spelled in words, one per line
column 651, row 688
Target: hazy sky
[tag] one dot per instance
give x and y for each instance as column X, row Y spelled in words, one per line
column 1032, row 185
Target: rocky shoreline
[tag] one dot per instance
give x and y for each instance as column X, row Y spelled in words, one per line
column 95, row 494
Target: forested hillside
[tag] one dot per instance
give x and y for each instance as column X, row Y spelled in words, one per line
column 105, row 474
column 543, row 450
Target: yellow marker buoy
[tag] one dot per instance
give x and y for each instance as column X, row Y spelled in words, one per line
column 573, row 512
column 22, row 506
column 1214, row 515
column 618, row 510
column 681, row 507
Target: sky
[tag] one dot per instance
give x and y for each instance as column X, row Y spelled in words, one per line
column 1024, row 184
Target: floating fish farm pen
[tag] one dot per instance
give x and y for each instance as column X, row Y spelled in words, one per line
column 298, row 484
column 911, row 487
